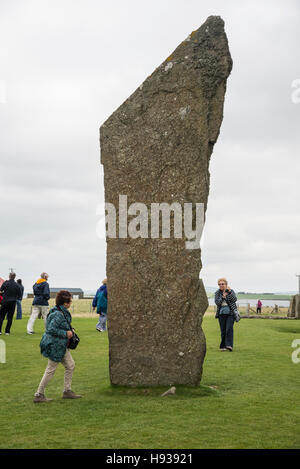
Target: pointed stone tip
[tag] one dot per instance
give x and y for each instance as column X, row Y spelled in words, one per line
column 214, row 23
column 214, row 26
column 215, row 18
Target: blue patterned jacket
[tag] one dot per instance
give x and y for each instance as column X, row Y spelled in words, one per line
column 54, row 341
column 230, row 299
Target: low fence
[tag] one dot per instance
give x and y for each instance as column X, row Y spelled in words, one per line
column 79, row 307
column 248, row 311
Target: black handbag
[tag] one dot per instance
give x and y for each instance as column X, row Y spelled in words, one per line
column 74, row 340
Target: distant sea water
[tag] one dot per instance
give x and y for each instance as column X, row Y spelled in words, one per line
column 253, row 302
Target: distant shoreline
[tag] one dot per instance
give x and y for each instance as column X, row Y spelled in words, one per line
column 257, row 296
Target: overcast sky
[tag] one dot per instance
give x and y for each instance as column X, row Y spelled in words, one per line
column 66, row 65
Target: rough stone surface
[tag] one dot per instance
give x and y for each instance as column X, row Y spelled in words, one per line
column 294, row 310
column 156, row 147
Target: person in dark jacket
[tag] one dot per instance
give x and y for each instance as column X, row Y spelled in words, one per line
column 40, row 304
column 11, row 292
column 227, row 313
column 19, row 299
column 101, row 305
column 54, row 346
column 94, row 303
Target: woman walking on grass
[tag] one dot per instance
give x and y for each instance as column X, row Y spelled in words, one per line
column 227, row 313
column 54, row 346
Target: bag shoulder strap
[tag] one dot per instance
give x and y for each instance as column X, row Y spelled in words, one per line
column 64, row 316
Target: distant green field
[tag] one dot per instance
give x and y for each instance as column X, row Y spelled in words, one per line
column 82, row 307
column 247, row 399
column 254, row 296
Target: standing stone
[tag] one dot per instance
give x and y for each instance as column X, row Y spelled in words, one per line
column 156, row 148
column 294, row 309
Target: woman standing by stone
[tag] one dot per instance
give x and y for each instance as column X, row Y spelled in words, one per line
column 227, row 313
column 54, row 346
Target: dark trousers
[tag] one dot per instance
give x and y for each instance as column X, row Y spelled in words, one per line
column 226, row 322
column 258, row 310
column 19, row 309
column 7, row 309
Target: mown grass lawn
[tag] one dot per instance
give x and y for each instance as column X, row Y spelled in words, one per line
column 247, row 399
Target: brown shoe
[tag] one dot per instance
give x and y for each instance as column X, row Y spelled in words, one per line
column 70, row 395
column 41, row 398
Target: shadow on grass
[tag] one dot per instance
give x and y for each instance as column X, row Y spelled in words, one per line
column 182, row 392
column 289, row 330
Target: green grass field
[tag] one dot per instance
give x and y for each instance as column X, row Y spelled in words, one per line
column 247, row 399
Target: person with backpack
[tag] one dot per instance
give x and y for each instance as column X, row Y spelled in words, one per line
column 54, row 346
column 101, row 304
column 94, row 303
column 40, row 304
column 11, row 292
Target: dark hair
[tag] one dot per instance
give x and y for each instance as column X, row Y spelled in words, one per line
column 12, row 276
column 62, row 297
column 19, row 281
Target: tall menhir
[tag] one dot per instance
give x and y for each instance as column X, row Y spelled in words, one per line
column 156, row 147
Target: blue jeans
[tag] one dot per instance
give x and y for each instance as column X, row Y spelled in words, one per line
column 102, row 321
column 19, row 309
column 226, row 322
